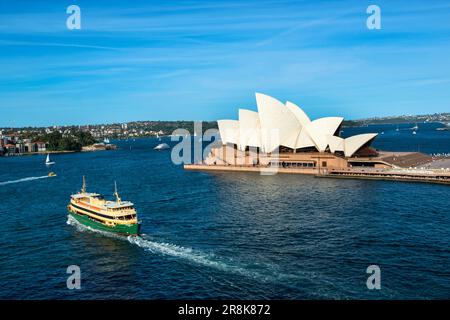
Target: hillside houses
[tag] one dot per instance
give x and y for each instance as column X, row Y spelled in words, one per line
column 14, row 145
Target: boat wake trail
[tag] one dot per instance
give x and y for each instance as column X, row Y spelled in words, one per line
column 194, row 256
column 22, row 180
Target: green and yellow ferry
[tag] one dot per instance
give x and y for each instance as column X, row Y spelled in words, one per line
column 92, row 210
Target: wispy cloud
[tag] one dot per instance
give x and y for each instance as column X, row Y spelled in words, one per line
column 52, row 44
column 202, row 59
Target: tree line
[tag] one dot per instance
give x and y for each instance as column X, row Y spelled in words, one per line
column 56, row 141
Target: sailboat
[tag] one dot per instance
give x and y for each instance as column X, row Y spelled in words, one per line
column 397, row 129
column 47, row 161
column 157, row 136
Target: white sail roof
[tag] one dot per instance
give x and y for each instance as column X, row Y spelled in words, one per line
column 353, row 143
column 298, row 113
column 335, row 143
column 277, row 124
column 229, row 131
column 249, row 129
column 304, row 140
column 319, row 129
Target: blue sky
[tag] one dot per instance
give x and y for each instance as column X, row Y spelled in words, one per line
column 202, row 60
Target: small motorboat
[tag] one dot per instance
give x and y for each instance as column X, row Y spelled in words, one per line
column 52, row 174
column 162, row 146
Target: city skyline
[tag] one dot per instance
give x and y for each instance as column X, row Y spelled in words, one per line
column 202, row 60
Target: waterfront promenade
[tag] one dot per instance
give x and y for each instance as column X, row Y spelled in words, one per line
column 441, row 176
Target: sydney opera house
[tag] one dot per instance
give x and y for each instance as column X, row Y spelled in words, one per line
column 282, row 135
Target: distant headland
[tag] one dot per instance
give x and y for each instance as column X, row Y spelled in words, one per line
column 73, row 138
column 436, row 117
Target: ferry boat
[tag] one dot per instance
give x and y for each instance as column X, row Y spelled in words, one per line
column 92, row 210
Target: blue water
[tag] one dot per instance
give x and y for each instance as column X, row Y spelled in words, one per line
column 225, row 235
column 427, row 139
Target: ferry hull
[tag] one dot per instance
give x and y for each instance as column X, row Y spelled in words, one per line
column 132, row 230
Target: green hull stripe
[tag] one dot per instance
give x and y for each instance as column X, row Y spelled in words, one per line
column 120, row 228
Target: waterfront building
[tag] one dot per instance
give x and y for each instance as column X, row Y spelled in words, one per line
column 8, row 146
column 283, row 135
column 40, row 146
column 20, row 147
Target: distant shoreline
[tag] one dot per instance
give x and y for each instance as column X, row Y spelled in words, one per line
column 57, row 152
column 362, row 123
column 37, row 153
column 167, row 126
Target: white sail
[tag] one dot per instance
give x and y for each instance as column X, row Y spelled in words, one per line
column 47, row 161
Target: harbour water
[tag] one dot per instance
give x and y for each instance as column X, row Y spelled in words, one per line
column 225, row 235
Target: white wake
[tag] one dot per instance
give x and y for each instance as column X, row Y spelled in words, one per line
column 188, row 254
column 22, row 180
column 194, row 256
